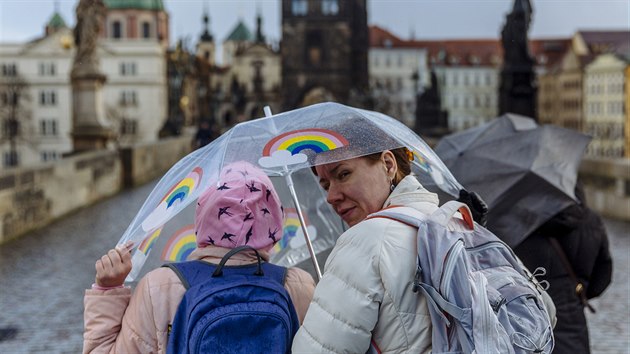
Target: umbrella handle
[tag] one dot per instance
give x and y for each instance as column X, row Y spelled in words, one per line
column 307, row 238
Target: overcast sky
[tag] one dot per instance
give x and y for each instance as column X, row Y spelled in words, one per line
column 428, row 19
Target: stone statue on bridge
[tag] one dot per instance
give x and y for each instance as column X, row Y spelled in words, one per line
column 90, row 16
column 90, row 129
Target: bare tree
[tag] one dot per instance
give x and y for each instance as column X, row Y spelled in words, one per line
column 120, row 120
column 15, row 115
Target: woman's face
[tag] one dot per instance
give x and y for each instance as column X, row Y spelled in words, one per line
column 357, row 187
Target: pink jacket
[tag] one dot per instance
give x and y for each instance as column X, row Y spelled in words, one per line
column 117, row 321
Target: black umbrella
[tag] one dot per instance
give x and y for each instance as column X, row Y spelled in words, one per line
column 525, row 172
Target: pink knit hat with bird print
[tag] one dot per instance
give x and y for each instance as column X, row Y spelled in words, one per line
column 242, row 209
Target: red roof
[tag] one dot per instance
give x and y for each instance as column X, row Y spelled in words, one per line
column 470, row 52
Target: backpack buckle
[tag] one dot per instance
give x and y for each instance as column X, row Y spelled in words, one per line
column 416, row 280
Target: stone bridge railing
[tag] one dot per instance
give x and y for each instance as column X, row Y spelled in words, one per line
column 607, row 186
column 32, row 197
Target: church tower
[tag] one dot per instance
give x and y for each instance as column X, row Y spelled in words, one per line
column 205, row 46
column 145, row 20
column 324, row 52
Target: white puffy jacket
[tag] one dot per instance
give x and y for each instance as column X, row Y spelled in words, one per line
column 365, row 293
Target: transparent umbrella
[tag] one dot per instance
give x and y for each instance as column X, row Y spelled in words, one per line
column 285, row 146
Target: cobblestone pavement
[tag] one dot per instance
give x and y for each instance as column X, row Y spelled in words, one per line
column 43, row 276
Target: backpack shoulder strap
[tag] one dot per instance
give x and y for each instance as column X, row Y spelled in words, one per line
column 194, row 272
column 405, row 215
column 445, row 213
column 191, row 272
column 413, row 217
column 275, row 272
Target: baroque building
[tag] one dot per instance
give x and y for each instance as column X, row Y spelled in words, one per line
column 248, row 79
column 324, row 52
column 605, row 114
column 131, row 48
column 582, row 87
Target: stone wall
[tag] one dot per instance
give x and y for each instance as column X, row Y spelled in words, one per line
column 32, row 197
column 607, row 186
column 145, row 162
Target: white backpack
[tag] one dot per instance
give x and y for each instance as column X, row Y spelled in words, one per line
column 481, row 297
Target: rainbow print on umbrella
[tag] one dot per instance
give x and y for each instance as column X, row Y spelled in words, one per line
column 183, row 189
column 180, row 245
column 290, row 229
column 146, row 244
column 295, row 141
column 176, row 195
column 422, row 162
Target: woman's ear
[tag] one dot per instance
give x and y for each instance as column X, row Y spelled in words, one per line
column 389, row 160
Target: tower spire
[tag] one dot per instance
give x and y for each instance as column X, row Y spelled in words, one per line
column 206, row 36
column 260, row 37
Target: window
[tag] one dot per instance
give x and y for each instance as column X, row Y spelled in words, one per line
column 48, row 127
column 299, row 7
column 128, row 68
column 330, row 7
column 128, row 126
column 146, row 30
column 47, row 98
column 9, row 69
column 9, row 98
column 49, row 156
column 11, row 158
column 128, row 98
column 10, row 128
column 314, row 48
column 116, row 29
column 47, row 69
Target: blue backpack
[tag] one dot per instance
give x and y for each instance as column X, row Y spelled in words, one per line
column 232, row 309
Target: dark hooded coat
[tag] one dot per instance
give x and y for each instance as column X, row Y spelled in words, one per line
column 582, row 236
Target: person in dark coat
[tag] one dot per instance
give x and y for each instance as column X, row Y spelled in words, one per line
column 204, row 135
column 582, row 238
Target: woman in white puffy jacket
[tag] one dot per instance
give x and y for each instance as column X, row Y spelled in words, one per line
column 365, row 295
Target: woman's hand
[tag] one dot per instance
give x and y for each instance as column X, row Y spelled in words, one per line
column 113, row 267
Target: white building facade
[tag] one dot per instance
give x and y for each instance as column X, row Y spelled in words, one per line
column 134, row 95
column 469, row 94
column 605, row 114
column 398, row 71
column 396, row 76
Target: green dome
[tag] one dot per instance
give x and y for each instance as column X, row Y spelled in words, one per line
column 240, row 33
column 56, row 21
column 135, row 4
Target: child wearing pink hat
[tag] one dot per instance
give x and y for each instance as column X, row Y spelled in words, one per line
column 243, row 209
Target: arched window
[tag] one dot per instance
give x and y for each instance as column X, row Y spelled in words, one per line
column 116, row 29
column 146, row 30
